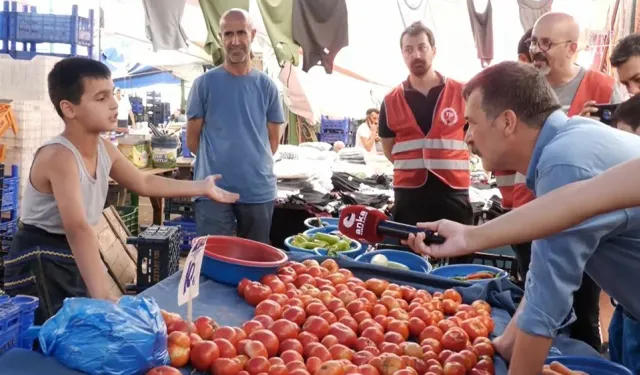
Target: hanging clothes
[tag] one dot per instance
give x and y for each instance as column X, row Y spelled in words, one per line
column 321, row 27
column 278, row 20
column 212, row 11
column 293, row 92
column 482, row 29
column 162, row 24
column 412, row 11
column 531, row 10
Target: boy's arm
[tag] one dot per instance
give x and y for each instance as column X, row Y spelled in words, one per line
column 64, row 177
column 149, row 185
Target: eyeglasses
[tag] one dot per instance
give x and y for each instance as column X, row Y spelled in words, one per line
column 544, row 44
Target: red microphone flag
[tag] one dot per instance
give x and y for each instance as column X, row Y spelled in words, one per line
column 360, row 223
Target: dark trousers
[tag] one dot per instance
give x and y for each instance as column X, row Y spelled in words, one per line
column 40, row 264
column 431, row 203
column 624, row 340
column 247, row 220
column 586, row 302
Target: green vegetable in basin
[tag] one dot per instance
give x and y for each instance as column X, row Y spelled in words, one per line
column 332, row 242
column 381, row 260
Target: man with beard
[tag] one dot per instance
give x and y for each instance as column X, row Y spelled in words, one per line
column 234, row 126
column 553, row 47
column 421, row 126
column 626, row 59
column 514, row 119
column 512, row 184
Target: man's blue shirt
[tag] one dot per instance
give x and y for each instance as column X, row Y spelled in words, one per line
column 607, row 246
column 234, row 141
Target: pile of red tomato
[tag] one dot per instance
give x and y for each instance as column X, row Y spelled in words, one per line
column 318, row 319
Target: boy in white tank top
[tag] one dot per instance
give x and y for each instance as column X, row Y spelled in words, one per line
column 54, row 254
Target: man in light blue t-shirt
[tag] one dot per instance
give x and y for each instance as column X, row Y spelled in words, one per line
column 234, row 125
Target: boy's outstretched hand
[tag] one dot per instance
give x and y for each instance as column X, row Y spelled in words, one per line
column 219, row 195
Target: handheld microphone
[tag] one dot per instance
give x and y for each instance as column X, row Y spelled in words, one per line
column 363, row 223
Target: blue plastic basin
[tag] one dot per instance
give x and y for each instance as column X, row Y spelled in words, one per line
column 230, row 259
column 312, row 222
column 356, row 247
column 456, row 270
column 411, row 260
column 590, row 365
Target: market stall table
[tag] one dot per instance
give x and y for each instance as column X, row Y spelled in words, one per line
column 118, row 193
column 222, row 303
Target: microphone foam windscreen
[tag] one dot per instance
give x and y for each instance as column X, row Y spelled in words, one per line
column 360, row 223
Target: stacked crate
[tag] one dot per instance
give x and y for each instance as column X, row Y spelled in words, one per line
column 24, row 86
column 333, row 130
column 157, row 111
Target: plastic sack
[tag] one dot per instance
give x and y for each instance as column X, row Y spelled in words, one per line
column 101, row 337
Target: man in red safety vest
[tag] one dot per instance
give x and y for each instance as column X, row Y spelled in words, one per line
column 552, row 48
column 421, row 126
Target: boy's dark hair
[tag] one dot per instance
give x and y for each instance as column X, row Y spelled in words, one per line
column 372, row 110
column 628, row 47
column 523, row 45
column 416, row 29
column 66, row 79
column 514, row 86
column 182, row 111
column 628, row 112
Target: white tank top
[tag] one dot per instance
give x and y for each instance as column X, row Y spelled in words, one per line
column 41, row 209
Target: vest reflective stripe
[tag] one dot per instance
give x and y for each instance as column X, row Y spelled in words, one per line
column 434, row 144
column 431, row 164
column 511, row 180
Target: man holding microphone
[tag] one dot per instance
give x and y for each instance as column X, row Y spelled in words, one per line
column 515, row 124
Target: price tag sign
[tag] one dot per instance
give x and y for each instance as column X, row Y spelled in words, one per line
column 189, row 286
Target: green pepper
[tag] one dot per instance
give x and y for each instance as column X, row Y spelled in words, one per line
column 305, row 236
column 328, row 238
column 310, row 245
column 343, row 245
column 300, row 239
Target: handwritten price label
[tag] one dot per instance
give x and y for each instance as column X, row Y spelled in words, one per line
column 189, row 287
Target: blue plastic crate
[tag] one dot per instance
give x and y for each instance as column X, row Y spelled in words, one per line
column 334, row 137
column 187, row 230
column 10, row 189
column 30, row 28
column 340, row 124
column 16, row 317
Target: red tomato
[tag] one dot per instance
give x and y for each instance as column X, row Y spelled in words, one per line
column 345, row 335
column 164, row 370
column 295, row 314
column 254, row 348
column 284, row 329
column 257, row 365
column 316, row 325
column 254, row 293
column 291, row 344
column 265, row 320
column 226, row 366
column 203, row 354
column 306, row 338
column 339, row 351
column 474, row 328
column 454, row 368
column 268, row 339
column 179, row 347
column 226, row 348
column 291, row 356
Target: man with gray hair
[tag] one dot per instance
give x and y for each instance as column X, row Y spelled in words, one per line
column 234, row 125
column 515, row 123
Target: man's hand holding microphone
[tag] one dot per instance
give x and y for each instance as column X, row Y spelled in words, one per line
column 456, row 242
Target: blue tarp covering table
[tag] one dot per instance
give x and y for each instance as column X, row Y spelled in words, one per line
column 223, row 304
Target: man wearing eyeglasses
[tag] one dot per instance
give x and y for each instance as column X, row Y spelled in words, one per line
column 553, row 47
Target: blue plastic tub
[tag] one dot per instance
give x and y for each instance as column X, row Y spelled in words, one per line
column 590, row 365
column 456, row 270
column 413, row 261
column 356, row 247
column 230, row 259
column 28, row 306
column 312, row 222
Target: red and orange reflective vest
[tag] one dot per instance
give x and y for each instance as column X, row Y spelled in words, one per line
column 442, row 151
